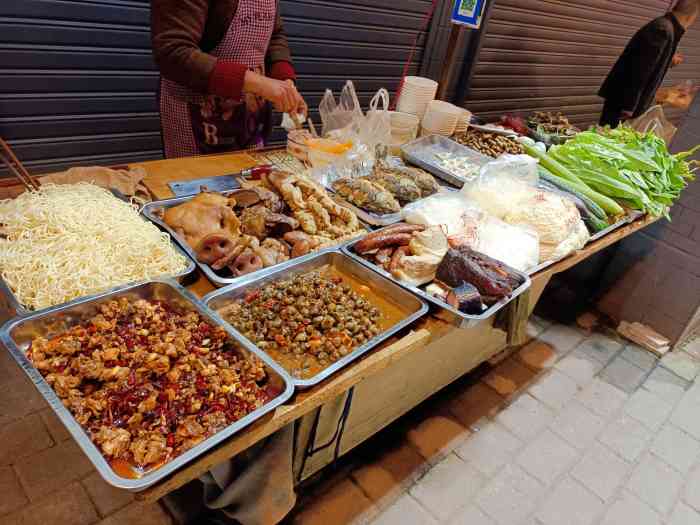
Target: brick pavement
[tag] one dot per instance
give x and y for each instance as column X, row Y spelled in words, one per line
column 572, row 429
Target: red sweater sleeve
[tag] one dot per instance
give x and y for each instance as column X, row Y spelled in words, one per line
column 226, row 79
column 283, row 70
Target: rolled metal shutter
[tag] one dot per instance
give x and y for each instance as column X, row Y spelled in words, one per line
column 78, row 81
column 554, row 54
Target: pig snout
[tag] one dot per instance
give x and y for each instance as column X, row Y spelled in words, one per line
column 214, row 247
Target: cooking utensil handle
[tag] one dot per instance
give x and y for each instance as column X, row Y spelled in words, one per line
column 257, row 172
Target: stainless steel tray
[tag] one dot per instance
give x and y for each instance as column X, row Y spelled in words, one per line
column 447, row 312
column 11, row 307
column 422, row 152
column 413, row 307
column 150, row 211
column 17, row 335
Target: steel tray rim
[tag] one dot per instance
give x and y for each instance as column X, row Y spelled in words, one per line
column 22, row 311
column 210, row 274
column 348, row 359
column 408, row 149
column 81, row 437
column 467, row 320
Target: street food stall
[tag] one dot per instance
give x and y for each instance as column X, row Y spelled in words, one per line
column 171, row 336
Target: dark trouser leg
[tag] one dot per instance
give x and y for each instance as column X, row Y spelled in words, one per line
column 612, row 113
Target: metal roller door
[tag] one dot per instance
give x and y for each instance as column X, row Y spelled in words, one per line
column 78, row 82
column 554, row 54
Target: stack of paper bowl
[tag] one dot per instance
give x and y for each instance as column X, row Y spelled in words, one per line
column 463, row 122
column 440, row 118
column 416, row 94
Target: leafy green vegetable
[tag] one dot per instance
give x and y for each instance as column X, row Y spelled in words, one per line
column 634, row 168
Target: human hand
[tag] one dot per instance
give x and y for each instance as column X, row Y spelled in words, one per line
column 302, row 107
column 283, row 95
column 677, row 60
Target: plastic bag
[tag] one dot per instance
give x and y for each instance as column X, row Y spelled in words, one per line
column 502, row 184
column 655, row 120
column 376, row 128
column 516, row 246
column 341, row 115
column 451, row 210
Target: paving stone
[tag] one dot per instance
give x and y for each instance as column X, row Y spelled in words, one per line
column 23, row 437
column 475, row 403
column 341, row 502
column 637, row 355
column 141, row 513
column 623, row 374
column 526, row 417
column 570, row 503
column 538, row 355
column 106, row 498
column 395, row 469
column 547, row 457
column 69, row 506
column 602, row 398
column 692, row 490
column 693, row 347
column 667, row 385
column 520, row 480
column 504, row 503
column 681, row 364
column 58, row 430
column 436, row 436
column 405, row 511
column 627, row 437
column 471, row 515
column 577, row 425
column 601, row 471
column 656, row 483
column 561, row 338
column 52, row 469
column 448, row 486
column 676, row 448
column 12, row 494
column 600, row 348
column 489, row 449
column 648, row 409
column 20, row 398
column 683, row 515
column 685, row 416
column 554, row 389
column 509, row 377
column 580, row 367
column 629, row 510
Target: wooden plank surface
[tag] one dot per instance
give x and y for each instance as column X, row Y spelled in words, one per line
column 160, row 172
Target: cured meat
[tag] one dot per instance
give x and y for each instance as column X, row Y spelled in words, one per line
column 383, row 240
column 490, row 277
column 465, row 298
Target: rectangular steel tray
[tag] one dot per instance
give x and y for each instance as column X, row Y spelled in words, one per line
column 447, row 312
column 413, row 307
column 421, row 152
column 150, row 212
column 17, row 334
column 11, row 307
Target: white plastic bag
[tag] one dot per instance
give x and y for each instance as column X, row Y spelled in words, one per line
column 341, row 115
column 376, row 128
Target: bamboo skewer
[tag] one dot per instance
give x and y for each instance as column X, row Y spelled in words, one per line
column 17, row 168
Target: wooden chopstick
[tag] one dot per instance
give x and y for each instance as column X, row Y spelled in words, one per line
column 17, row 168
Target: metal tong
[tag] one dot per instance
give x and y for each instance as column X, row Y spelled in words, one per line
column 17, row 168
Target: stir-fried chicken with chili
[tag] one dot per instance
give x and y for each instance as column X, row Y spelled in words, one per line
column 148, row 381
column 307, row 322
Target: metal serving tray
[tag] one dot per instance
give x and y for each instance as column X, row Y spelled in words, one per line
column 11, row 307
column 447, row 312
column 150, row 211
column 422, row 152
column 413, row 307
column 17, row 335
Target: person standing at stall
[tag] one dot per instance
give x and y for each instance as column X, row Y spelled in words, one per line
column 631, row 86
column 224, row 65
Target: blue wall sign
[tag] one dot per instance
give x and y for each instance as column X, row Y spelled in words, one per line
column 468, row 12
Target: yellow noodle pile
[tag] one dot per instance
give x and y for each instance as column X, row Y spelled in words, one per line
column 69, row 241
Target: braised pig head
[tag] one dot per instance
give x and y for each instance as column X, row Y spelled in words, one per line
column 208, row 224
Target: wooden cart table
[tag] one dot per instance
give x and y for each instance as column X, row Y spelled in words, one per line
column 387, row 382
